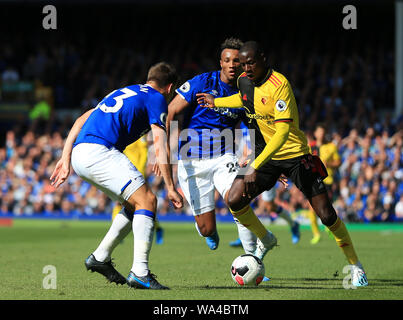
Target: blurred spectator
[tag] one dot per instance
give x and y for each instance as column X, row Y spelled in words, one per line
column 41, row 110
column 10, row 75
column 399, row 209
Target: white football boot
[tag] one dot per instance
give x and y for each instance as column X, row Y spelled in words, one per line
column 358, row 276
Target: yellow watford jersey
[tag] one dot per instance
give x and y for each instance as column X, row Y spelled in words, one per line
column 266, row 103
column 327, row 152
column 137, row 153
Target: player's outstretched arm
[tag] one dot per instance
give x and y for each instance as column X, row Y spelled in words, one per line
column 208, row 100
column 176, row 107
column 62, row 169
column 160, row 146
column 276, row 142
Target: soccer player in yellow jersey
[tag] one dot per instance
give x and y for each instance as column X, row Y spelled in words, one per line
column 280, row 148
column 327, row 152
column 137, row 153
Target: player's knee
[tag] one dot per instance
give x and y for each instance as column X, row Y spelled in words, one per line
column 236, row 201
column 152, row 200
column 327, row 215
column 147, row 201
column 206, row 230
column 206, row 223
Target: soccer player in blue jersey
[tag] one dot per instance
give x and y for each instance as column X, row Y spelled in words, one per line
column 205, row 162
column 94, row 147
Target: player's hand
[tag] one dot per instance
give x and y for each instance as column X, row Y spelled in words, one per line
column 157, row 170
column 243, row 162
column 284, row 180
column 60, row 173
column 250, row 182
column 205, row 100
column 176, row 199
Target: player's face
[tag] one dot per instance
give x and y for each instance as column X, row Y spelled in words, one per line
column 319, row 133
column 254, row 66
column 230, row 65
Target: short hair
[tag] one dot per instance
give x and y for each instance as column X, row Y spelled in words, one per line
column 163, row 74
column 231, row 43
column 254, row 46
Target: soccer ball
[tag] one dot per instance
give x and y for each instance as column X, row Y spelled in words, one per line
column 247, row 270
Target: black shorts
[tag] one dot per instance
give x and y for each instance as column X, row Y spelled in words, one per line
column 306, row 172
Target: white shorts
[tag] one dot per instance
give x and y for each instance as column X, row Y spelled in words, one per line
column 107, row 169
column 269, row 195
column 199, row 178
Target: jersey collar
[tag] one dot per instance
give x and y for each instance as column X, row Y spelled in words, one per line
column 267, row 76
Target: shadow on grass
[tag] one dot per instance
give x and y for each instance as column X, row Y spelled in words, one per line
column 303, row 284
column 269, row 286
column 385, row 282
column 309, row 279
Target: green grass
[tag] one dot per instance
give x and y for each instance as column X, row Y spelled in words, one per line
column 185, row 264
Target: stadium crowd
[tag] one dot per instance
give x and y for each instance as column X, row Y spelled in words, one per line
column 368, row 185
column 347, row 87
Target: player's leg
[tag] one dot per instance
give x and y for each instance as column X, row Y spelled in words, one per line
column 113, row 173
column 195, row 179
column 119, row 229
column 100, row 166
column 206, row 227
column 225, row 169
column 159, row 232
column 143, row 205
column 241, row 210
column 306, row 175
column 324, row 209
column 268, row 197
column 330, row 194
column 116, row 209
column 100, row 260
column 313, row 218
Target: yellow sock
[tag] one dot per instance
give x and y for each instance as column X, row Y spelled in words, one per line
column 116, row 210
column 343, row 240
column 247, row 217
column 314, row 223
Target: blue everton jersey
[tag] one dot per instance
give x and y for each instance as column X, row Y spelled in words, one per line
column 124, row 116
column 205, row 139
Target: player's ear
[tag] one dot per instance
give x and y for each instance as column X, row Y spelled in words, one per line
column 169, row 88
column 169, row 92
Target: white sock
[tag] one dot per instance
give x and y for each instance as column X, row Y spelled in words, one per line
column 198, row 230
column 285, row 215
column 247, row 237
column 268, row 239
column 143, row 232
column 119, row 229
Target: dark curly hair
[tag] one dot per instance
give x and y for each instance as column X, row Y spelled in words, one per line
column 163, row 74
column 232, row 43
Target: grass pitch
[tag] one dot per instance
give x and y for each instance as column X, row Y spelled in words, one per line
column 184, row 263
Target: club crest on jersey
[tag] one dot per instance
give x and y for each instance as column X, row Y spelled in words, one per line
column 185, row 87
column 281, row 105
